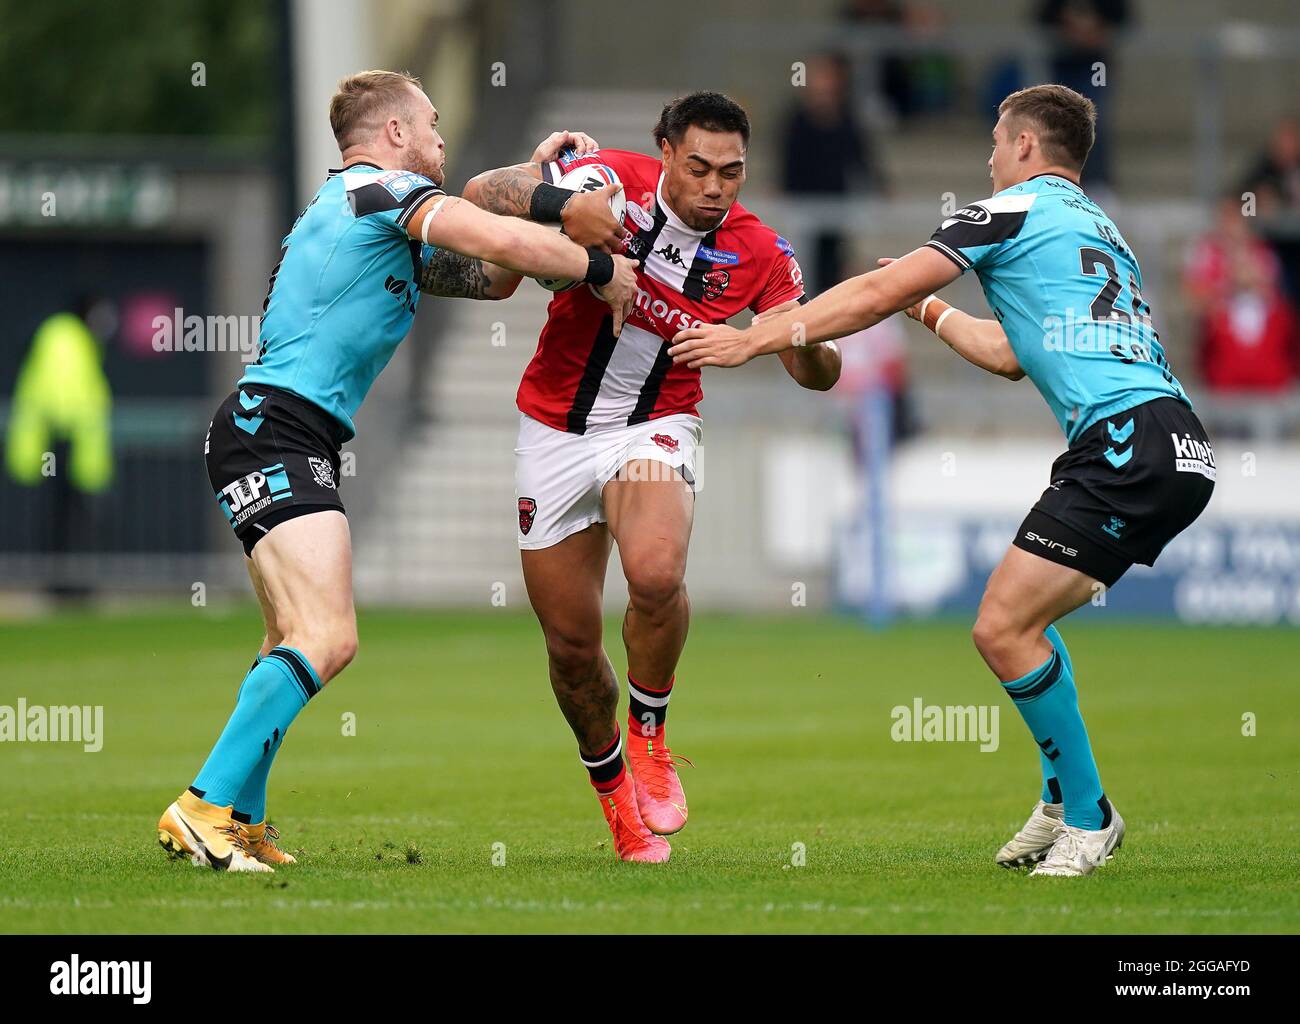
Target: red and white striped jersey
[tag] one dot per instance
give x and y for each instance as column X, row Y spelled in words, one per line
column 584, row 379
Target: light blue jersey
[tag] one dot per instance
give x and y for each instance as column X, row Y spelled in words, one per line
column 1067, row 290
column 344, row 293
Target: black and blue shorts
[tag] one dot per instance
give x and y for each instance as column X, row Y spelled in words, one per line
column 1127, row 487
column 272, row 456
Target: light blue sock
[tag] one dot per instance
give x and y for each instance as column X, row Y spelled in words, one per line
column 251, row 801
column 1051, row 785
column 1049, row 703
column 277, row 688
column 250, row 804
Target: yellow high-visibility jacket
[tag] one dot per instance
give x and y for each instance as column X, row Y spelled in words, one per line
column 62, row 394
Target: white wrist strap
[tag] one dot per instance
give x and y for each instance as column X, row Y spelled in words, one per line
column 942, row 317
column 428, row 219
column 924, row 302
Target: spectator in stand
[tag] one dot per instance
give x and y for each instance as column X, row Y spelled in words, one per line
column 1247, row 339
column 1083, row 34
column 912, row 84
column 1275, row 178
column 827, row 154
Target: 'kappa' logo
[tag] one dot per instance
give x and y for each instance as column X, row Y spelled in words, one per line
column 672, row 254
column 527, row 512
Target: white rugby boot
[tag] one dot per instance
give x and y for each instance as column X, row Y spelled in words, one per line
column 1082, row 851
column 1031, row 843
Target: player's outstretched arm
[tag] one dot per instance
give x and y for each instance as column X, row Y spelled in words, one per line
column 981, row 342
column 850, row 306
column 464, row 277
column 518, row 191
column 529, row 249
column 815, row 367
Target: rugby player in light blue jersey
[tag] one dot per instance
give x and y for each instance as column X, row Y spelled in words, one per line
column 1066, row 291
column 378, row 232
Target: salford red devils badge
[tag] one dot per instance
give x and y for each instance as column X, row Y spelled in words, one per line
column 527, row 510
column 715, row 283
column 667, row 443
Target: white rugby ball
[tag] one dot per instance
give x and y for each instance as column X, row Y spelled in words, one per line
column 587, row 179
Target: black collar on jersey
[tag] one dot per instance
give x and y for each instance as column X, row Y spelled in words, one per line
column 360, row 163
column 1049, row 174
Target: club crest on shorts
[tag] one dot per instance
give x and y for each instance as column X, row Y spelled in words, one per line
column 666, row 442
column 322, row 471
column 527, row 511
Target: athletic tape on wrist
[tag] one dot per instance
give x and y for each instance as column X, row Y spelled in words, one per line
column 428, row 217
column 935, row 307
column 939, row 323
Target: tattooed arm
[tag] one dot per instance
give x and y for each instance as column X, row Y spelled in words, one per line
column 463, row 277
column 586, row 218
column 506, row 191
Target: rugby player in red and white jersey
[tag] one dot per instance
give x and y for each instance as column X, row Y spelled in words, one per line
column 609, row 429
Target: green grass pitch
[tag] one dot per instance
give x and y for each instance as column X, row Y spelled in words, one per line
column 458, row 746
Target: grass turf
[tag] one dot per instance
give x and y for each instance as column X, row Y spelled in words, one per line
column 458, row 747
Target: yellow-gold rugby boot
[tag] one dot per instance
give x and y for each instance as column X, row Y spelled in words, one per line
column 205, row 834
column 261, row 843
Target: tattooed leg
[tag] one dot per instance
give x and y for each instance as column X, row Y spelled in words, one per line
column 565, row 583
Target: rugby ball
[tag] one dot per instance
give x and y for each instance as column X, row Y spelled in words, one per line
column 587, row 179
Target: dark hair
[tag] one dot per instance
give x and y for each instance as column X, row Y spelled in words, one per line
column 708, row 110
column 1066, row 121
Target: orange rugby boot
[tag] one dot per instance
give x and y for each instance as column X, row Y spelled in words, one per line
column 659, row 795
column 632, row 840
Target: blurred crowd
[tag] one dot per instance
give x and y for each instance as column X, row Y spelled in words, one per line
column 1241, row 279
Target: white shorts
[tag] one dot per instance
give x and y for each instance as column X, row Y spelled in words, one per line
column 560, row 477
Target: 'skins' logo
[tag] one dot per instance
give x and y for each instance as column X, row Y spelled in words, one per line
column 527, row 512
column 666, row 442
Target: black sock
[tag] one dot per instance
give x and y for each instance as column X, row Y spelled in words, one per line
column 647, row 709
column 606, row 767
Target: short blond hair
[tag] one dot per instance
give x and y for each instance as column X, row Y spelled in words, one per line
column 358, row 108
